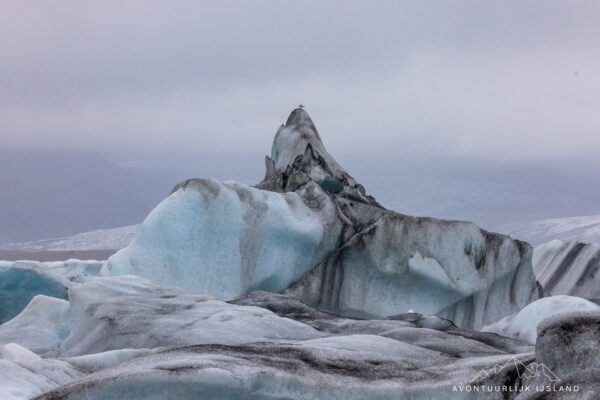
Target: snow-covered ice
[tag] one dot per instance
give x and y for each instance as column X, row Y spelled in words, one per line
column 523, row 325
column 24, row 375
column 40, row 327
column 581, row 228
column 110, row 313
column 101, row 239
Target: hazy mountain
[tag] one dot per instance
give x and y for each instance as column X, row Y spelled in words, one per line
column 47, row 196
column 51, row 195
column 583, row 229
column 102, row 239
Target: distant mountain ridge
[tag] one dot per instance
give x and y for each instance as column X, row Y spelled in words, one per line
column 103, row 239
column 583, row 229
column 49, row 195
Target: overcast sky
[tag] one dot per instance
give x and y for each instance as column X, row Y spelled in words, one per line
column 500, row 80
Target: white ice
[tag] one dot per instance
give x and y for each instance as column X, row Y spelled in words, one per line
column 40, row 327
column 227, row 239
column 24, row 375
column 523, row 325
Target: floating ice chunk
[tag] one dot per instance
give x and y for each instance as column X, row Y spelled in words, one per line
column 21, row 281
column 40, row 327
column 523, row 325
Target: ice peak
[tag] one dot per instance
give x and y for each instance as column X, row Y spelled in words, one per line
column 300, row 120
column 298, row 156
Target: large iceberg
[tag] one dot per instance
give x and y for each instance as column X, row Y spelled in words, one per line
column 311, row 230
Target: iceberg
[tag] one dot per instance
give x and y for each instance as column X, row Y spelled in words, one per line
column 21, row 281
column 311, row 231
column 40, row 327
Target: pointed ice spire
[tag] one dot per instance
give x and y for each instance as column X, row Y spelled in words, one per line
column 298, row 156
column 300, row 120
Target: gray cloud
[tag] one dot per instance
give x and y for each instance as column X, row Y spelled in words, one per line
column 503, row 80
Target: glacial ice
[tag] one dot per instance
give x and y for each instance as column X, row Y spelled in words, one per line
column 353, row 283
column 243, row 350
column 569, row 346
column 21, row 281
column 40, row 327
column 569, row 268
column 129, row 312
column 284, row 371
column 24, row 375
column 523, row 325
column 227, row 239
column 309, row 228
column 131, row 338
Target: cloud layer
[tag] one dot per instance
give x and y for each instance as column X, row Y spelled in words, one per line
column 510, row 81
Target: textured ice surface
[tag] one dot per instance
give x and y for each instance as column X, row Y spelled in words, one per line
column 327, row 369
column 569, row 346
column 298, row 156
column 24, row 375
column 126, row 336
column 309, row 227
column 397, row 263
column 228, row 238
column 309, row 230
column 21, row 281
column 523, row 325
column 571, row 268
column 245, row 351
column 129, row 312
column 40, row 327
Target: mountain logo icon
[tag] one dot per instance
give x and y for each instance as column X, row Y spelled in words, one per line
column 528, row 371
